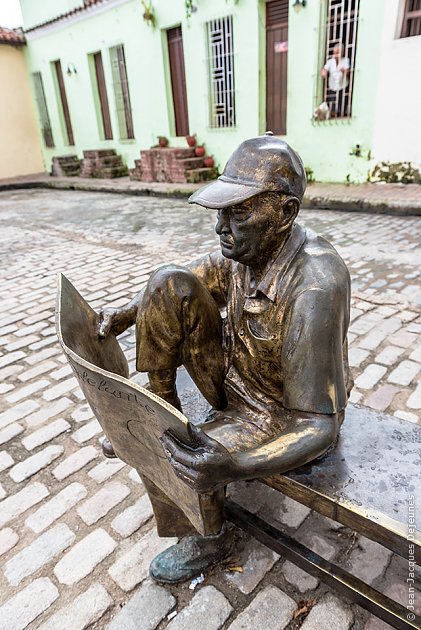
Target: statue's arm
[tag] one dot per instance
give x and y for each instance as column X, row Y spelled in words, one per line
column 118, row 320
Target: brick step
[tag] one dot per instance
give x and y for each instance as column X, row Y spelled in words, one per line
column 197, row 175
column 112, row 172
column 98, row 153
column 188, row 164
column 65, row 166
column 72, row 172
column 135, row 175
column 109, row 160
column 66, row 159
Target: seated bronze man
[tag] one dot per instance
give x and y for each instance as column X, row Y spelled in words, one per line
column 273, row 365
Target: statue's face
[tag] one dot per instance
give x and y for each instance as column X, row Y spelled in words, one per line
column 251, row 231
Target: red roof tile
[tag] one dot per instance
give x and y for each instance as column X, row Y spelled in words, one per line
column 11, row 36
column 87, row 4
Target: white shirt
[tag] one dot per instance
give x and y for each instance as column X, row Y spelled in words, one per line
column 337, row 79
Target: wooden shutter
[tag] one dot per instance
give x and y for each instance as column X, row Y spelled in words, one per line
column 44, row 117
column 103, row 98
column 64, row 103
column 178, row 80
column 276, row 65
column 411, row 24
column 121, row 92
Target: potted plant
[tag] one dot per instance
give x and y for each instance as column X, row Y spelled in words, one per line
column 149, row 13
column 209, row 162
column 162, row 141
column 199, row 151
column 191, row 140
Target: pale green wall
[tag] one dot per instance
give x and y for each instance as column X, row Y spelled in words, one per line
column 324, row 147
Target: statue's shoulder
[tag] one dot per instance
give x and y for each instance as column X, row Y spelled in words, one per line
column 319, row 260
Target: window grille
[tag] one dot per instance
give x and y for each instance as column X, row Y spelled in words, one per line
column 341, row 30
column 121, row 92
column 41, row 102
column 221, row 72
column 411, row 24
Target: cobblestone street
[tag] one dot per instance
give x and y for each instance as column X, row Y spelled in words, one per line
column 76, row 530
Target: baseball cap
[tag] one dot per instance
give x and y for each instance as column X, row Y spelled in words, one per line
column 262, row 164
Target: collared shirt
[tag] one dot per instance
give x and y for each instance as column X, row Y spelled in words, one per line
column 337, row 80
column 285, row 340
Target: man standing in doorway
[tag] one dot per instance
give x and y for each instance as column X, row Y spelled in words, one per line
column 336, row 71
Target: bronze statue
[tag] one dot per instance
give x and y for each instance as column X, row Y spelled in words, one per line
column 274, row 367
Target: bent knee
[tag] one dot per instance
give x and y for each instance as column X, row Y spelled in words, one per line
column 173, row 278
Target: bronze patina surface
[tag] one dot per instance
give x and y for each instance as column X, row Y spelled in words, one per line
column 260, row 327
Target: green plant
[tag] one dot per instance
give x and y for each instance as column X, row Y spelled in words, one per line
column 356, row 151
column 149, row 13
column 395, row 173
column 310, row 174
column 189, row 7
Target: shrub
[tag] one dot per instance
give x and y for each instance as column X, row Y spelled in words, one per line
column 395, row 173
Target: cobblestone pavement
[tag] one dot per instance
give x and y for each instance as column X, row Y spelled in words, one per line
column 76, row 531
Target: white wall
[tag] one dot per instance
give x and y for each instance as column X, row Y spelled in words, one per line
column 397, row 130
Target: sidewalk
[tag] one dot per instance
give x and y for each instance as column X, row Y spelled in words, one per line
column 397, row 199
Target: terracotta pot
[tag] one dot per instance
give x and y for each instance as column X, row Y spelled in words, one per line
column 199, row 151
column 191, row 141
column 209, row 162
column 163, row 142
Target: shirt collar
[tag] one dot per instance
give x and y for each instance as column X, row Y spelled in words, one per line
column 268, row 286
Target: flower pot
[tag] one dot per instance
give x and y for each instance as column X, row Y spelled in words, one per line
column 209, row 162
column 191, row 141
column 199, row 151
column 163, row 142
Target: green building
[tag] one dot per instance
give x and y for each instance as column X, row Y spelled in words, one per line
column 119, row 73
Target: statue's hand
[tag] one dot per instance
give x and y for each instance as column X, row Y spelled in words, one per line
column 115, row 320
column 205, row 466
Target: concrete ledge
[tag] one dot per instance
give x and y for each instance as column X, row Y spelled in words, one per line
column 391, row 199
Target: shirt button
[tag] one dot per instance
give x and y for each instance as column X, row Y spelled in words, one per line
column 241, row 332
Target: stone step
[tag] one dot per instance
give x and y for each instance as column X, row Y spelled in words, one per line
column 189, row 164
column 109, row 160
column 197, row 175
column 113, row 172
column 98, row 153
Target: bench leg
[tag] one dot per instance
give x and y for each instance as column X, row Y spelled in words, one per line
column 337, row 578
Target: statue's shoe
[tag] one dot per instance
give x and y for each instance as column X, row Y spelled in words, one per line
column 191, row 556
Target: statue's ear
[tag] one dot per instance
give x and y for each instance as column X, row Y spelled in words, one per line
column 290, row 208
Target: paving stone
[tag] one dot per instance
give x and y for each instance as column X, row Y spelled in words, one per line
column 133, row 517
column 37, row 357
column 38, row 553
column 404, row 373
column 106, row 469
column 134, row 476
column 371, row 375
column 56, row 507
column 48, row 411
column 8, row 539
column 357, row 356
column 416, row 354
column 60, row 389
column 6, row 460
column 83, row 611
column 18, row 503
column 373, row 339
column 271, row 608
column 62, row 372
column 102, row 502
column 406, row 415
column 75, row 462
column 17, row 412
column 299, row 578
column 33, row 464
column 28, row 390
column 11, row 357
column 144, row 610
column 398, row 592
column 11, row 431
column 132, row 566
column 368, row 560
column 19, row 611
column 382, row 397
column 84, row 557
column 208, row 609
column 42, row 368
column 82, row 413
column 256, row 561
column 87, row 432
column 6, row 387
column 389, row 355
column 329, row 613
column 414, row 401
column 45, row 434
column 285, row 511
column 403, row 339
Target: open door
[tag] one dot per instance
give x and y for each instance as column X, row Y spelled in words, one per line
column 276, row 66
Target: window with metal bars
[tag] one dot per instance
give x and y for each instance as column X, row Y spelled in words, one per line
column 411, row 24
column 41, row 102
column 121, row 92
column 339, row 58
column 221, row 72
